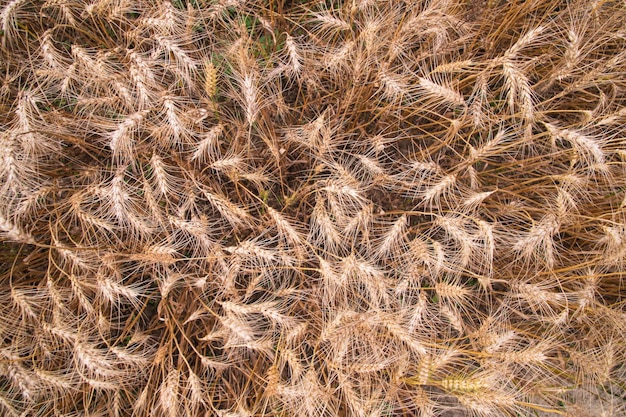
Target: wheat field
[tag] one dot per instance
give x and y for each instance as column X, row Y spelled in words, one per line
column 366, row 208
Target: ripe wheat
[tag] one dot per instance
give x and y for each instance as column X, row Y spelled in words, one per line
column 312, row 208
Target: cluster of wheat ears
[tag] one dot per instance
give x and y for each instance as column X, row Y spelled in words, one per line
column 312, row 208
